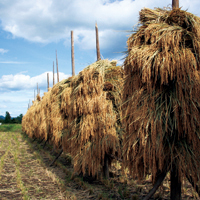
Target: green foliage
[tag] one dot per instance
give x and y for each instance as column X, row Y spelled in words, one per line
column 7, row 118
column 17, row 120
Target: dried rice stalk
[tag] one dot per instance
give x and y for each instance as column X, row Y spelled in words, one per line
column 91, row 132
column 162, row 94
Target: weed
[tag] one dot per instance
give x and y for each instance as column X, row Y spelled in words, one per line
column 126, row 192
column 120, row 192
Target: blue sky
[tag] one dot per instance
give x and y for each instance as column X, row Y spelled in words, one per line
column 32, row 30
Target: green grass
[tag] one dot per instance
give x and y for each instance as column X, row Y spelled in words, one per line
column 10, row 128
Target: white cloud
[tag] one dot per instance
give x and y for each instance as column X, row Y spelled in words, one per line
column 12, row 62
column 50, row 20
column 2, row 51
column 15, row 102
column 18, row 90
column 21, row 81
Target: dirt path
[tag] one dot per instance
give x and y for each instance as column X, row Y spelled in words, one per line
column 25, row 174
column 21, row 174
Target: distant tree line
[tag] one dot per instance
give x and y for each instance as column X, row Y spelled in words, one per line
column 11, row 120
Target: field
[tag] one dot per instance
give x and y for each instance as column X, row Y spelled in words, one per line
column 25, row 174
column 10, row 128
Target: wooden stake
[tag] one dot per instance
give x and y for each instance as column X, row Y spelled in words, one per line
column 72, row 53
column 56, row 158
column 175, row 4
column 57, row 67
column 37, row 89
column 47, row 82
column 160, row 179
column 41, row 141
column 34, row 95
column 175, row 187
column 53, row 75
column 97, row 43
column 45, row 143
column 106, row 167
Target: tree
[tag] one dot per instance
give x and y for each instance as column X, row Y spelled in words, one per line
column 7, row 118
column 161, row 98
column 19, row 118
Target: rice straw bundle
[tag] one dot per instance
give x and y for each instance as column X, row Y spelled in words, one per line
column 45, row 115
column 57, row 120
column 92, row 118
column 28, row 124
column 162, row 94
column 87, row 108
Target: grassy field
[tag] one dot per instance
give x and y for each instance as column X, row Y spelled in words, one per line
column 10, row 128
column 25, row 174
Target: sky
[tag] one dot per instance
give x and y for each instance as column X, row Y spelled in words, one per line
column 32, row 30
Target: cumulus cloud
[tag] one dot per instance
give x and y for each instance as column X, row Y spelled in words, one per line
column 15, row 102
column 22, row 81
column 17, row 91
column 2, row 51
column 50, row 20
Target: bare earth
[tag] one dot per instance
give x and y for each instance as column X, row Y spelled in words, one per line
column 25, row 174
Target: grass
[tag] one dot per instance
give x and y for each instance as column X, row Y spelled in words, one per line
column 10, row 128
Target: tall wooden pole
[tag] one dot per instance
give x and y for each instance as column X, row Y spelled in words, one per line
column 53, row 75
column 72, row 53
column 37, row 89
column 34, row 95
column 97, row 43
column 175, row 4
column 57, row 67
column 47, row 81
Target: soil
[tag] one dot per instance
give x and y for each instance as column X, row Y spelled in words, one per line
column 25, row 174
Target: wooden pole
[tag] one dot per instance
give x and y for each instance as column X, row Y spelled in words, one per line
column 175, row 187
column 57, row 67
column 56, row 158
column 175, row 4
column 37, row 89
column 160, row 179
column 34, row 95
column 97, row 43
column 72, row 52
column 53, row 75
column 47, row 82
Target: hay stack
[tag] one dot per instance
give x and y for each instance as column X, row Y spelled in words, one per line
column 45, row 115
column 162, row 94
column 45, row 119
column 57, row 120
column 92, row 116
column 30, row 121
column 87, row 108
